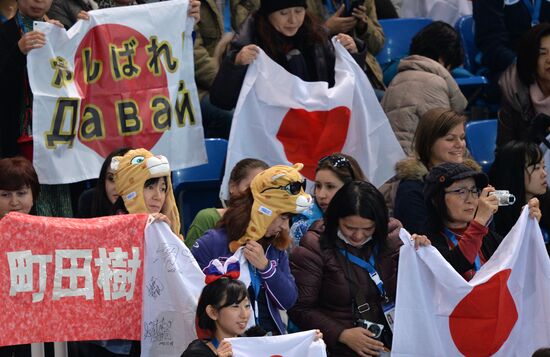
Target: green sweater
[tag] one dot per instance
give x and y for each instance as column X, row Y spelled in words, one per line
column 204, row 220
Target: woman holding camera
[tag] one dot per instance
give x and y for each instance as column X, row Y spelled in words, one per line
column 333, row 273
column 461, row 206
column 519, row 168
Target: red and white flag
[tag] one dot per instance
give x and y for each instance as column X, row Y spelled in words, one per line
column 282, row 119
column 299, row 344
column 503, row 311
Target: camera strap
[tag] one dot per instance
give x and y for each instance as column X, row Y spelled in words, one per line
column 362, row 306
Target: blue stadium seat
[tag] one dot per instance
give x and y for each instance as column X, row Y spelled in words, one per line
column 481, row 138
column 466, row 29
column 398, row 34
column 198, row 187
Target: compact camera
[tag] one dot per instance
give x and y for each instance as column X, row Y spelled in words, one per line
column 375, row 328
column 505, row 198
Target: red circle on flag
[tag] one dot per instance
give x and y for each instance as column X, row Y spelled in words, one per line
column 482, row 321
column 105, row 84
column 309, row 136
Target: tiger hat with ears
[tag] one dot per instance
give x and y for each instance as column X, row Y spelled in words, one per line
column 277, row 190
column 131, row 172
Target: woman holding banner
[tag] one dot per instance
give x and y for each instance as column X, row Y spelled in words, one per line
column 223, row 310
column 519, row 168
column 289, row 36
column 19, row 189
column 347, row 277
column 461, row 205
column 18, row 186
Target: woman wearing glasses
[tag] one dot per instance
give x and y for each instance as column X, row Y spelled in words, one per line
column 258, row 219
column 460, row 210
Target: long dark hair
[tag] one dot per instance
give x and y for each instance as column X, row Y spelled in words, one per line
column 101, row 205
column 508, row 173
column 356, row 198
column 528, row 53
column 220, row 293
column 274, row 43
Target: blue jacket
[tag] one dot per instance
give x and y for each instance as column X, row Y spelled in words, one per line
column 277, row 281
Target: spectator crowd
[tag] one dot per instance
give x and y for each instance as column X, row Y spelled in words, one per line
column 327, row 259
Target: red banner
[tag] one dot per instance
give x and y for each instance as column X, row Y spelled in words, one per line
column 70, row 279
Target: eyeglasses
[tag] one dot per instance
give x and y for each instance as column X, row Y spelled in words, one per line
column 292, row 188
column 465, row 192
column 339, row 162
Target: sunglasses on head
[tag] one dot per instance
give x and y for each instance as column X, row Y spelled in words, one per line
column 338, row 161
column 292, row 188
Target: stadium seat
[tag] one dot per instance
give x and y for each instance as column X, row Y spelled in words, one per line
column 466, row 29
column 398, row 34
column 481, row 138
column 198, row 187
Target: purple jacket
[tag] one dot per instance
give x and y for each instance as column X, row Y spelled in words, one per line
column 278, row 282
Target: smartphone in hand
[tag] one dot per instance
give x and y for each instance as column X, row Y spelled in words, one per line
column 349, row 8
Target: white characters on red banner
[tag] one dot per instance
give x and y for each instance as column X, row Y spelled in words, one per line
column 21, row 273
column 73, row 273
column 117, row 274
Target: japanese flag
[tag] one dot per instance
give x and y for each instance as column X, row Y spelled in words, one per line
column 281, row 119
column 299, row 344
column 503, row 311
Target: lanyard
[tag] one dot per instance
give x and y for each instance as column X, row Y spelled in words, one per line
column 215, row 342
column 449, row 234
column 369, row 266
column 256, row 285
column 534, row 10
column 21, row 24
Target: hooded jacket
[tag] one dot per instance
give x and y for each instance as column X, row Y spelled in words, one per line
column 421, row 84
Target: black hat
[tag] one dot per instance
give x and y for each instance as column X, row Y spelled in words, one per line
column 269, row 6
column 444, row 175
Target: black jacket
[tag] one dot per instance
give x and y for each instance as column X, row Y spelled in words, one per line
column 13, row 74
column 499, row 28
column 319, row 60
